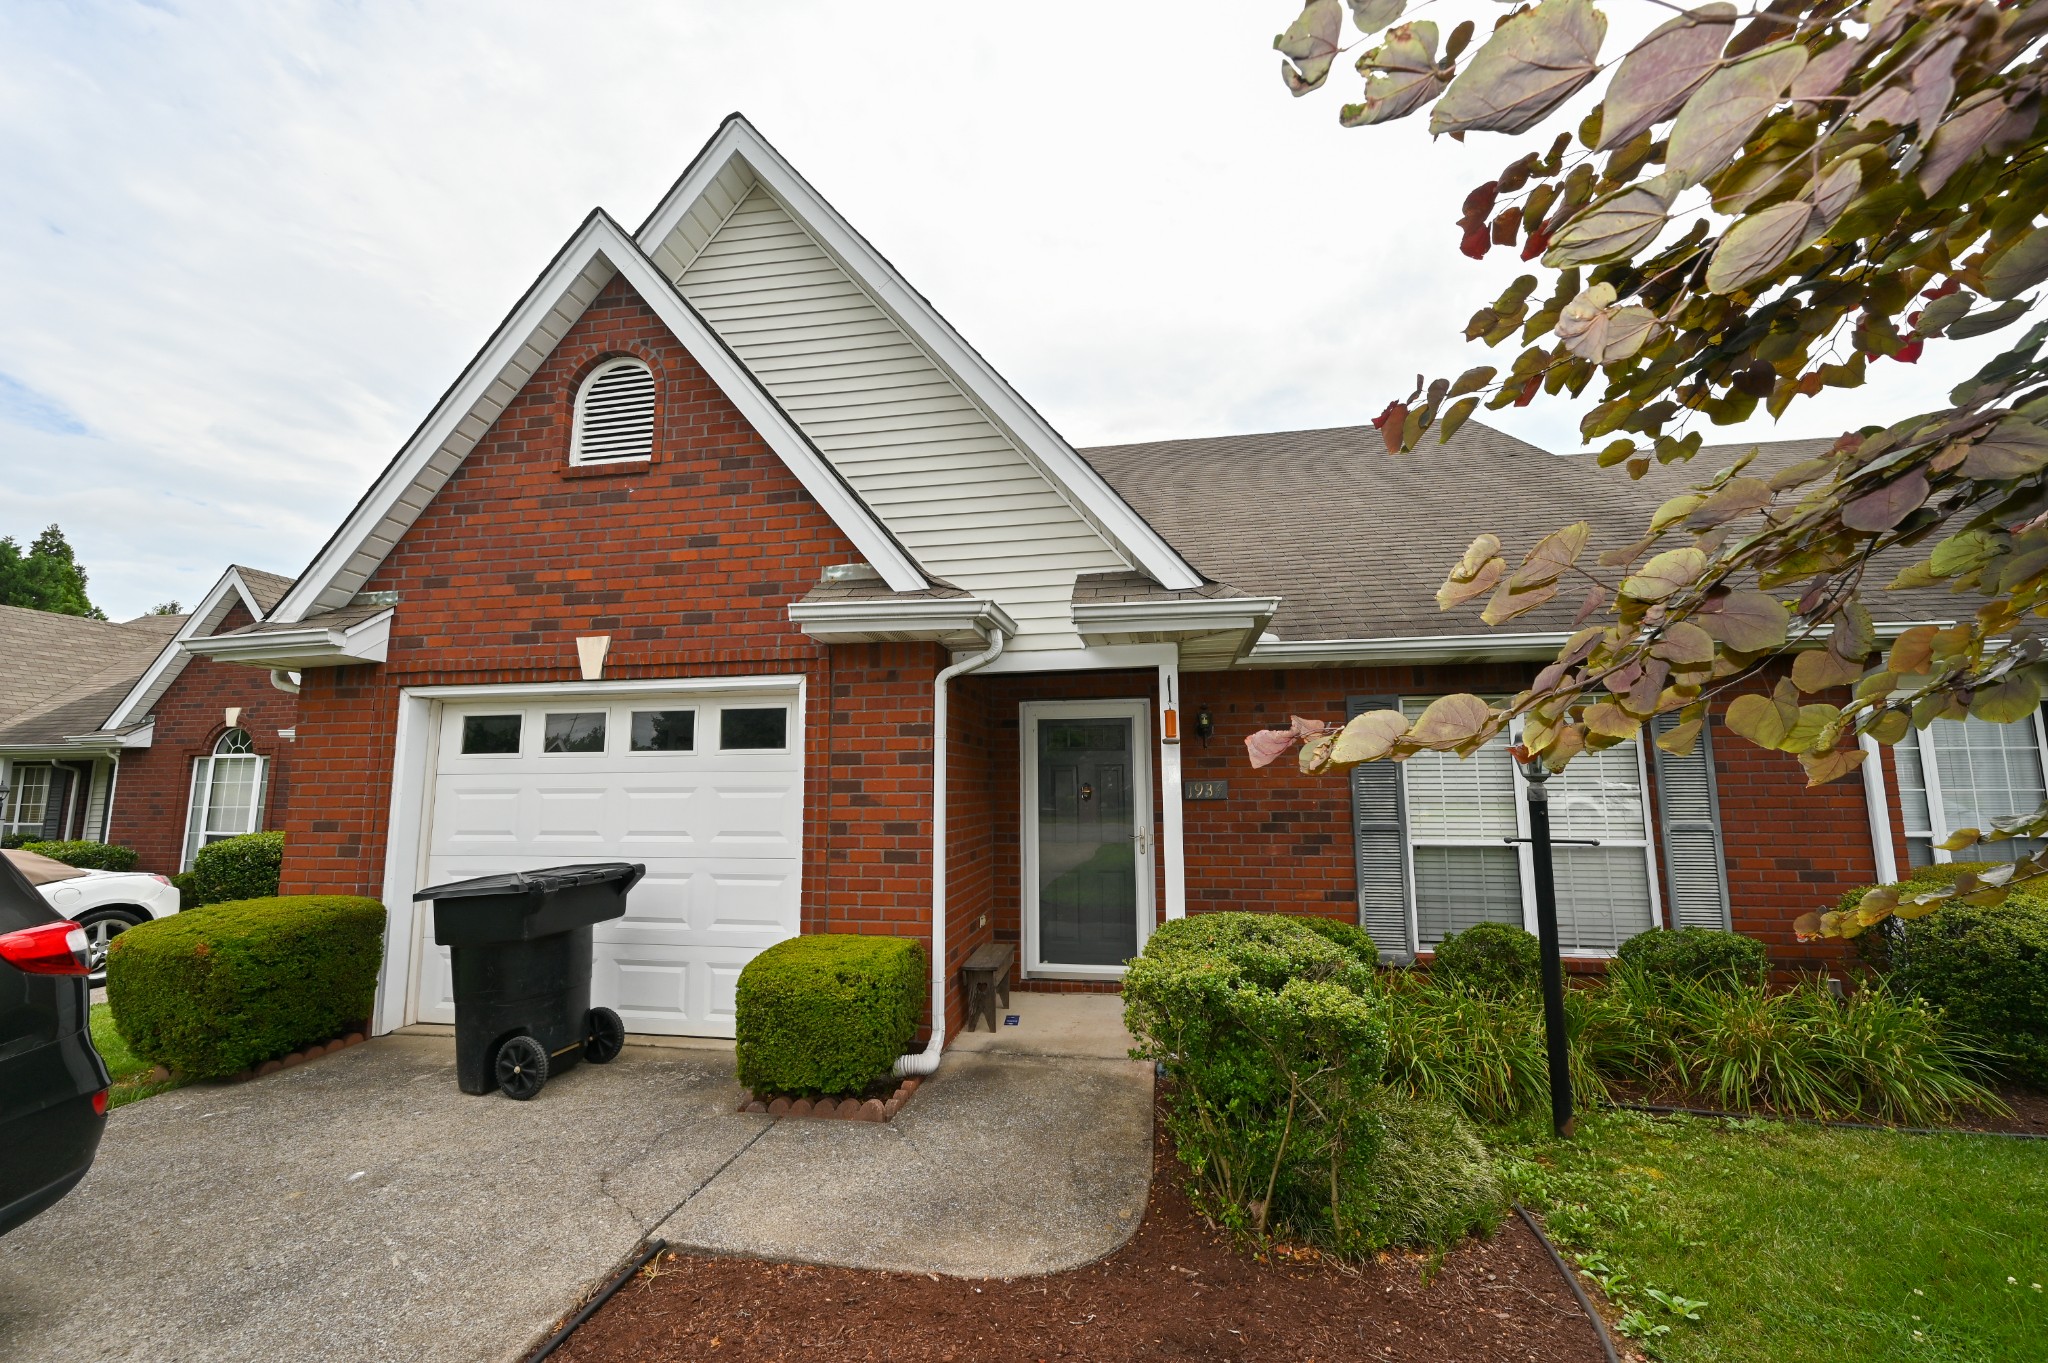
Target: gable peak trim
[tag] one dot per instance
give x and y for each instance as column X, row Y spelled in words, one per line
column 1071, row 476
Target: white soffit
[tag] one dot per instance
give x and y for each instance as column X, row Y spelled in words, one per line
column 597, row 252
column 737, row 142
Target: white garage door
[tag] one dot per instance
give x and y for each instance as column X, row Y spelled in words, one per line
column 705, row 789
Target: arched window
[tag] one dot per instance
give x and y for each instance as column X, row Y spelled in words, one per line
column 227, row 793
column 614, row 414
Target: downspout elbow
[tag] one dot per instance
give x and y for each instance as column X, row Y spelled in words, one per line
column 284, row 680
column 926, row 1061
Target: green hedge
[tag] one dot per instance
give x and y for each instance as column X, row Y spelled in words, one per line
column 1696, row 954
column 214, row 990
column 1272, row 1039
column 233, row 868
column 829, row 1013
column 1492, row 959
column 1350, row 936
column 88, row 856
column 1986, row 968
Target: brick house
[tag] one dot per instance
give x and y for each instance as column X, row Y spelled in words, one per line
column 726, row 554
column 118, row 733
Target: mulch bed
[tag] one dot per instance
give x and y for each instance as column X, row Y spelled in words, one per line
column 2029, row 1108
column 1178, row 1290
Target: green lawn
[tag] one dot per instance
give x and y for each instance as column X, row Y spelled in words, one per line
column 128, row 1069
column 1803, row 1243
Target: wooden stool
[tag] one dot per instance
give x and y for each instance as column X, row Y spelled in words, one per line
column 985, row 980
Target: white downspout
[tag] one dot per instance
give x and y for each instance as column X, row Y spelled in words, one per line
column 927, row 1060
column 285, row 680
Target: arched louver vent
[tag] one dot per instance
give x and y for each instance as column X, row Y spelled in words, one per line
column 614, row 415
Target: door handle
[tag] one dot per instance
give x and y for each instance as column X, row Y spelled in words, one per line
column 1143, row 839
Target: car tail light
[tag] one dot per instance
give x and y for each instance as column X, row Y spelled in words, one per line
column 99, row 1102
column 161, row 880
column 51, row 949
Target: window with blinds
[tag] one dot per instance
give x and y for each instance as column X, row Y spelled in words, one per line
column 614, row 414
column 1461, row 812
column 1964, row 774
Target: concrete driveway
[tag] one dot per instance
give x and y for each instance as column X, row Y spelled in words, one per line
column 362, row 1208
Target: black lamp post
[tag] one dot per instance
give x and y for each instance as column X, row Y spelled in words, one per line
column 1558, row 1044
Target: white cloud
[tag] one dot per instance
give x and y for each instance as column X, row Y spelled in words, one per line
column 248, row 244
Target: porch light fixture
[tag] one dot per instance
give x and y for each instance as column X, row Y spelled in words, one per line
column 1205, row 724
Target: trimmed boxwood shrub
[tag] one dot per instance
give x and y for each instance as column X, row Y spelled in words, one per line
column 214, row 990
column 1986, row 968
column 828, row 1013
column 1273, row 1043
column 1696, row 954
column 233, row 868
column 87, row 856
column 1350, row 936
column 1493, row 959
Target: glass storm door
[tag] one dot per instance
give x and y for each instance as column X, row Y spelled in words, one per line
column 1090, row 837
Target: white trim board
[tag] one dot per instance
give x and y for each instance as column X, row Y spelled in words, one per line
column 596, row 253
column 737, row 141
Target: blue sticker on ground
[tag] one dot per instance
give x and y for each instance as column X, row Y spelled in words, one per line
column 1010, row 1020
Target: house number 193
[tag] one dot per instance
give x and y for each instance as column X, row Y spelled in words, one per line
column 1206, row 790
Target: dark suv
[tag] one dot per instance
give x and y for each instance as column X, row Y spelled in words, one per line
column 53, row 1085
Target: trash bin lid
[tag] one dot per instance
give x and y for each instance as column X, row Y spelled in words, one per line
column 544, row 881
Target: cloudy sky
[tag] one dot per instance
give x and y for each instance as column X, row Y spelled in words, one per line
column 246, row 243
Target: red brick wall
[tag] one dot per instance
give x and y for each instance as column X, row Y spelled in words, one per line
column 153, row 789
column 689, row 563
column 1789, row 848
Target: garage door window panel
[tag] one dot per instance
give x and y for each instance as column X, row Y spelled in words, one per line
column 491, row 735
column 577, row 732
column 753, row 729
column 664, row 730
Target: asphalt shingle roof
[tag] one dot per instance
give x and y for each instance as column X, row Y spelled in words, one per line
column 55, row 669
column 1355, row 542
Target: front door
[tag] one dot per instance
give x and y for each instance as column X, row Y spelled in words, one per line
column 1087, row 835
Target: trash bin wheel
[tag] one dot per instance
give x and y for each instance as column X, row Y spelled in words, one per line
column 522, row 1067
column 604, row 1036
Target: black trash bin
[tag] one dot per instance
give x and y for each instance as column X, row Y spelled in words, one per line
column 519, row 948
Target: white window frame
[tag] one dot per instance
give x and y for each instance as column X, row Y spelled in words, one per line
column 10, row 823
column 1940, row 826
column 577, row 457
column 199, row 832
column 1525, row 855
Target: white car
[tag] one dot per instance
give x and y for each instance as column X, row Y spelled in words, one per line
column 104, row 903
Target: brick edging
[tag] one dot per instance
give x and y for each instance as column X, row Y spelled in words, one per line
column 843, row 1109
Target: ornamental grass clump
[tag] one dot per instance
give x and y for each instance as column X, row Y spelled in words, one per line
column 1272, row 1041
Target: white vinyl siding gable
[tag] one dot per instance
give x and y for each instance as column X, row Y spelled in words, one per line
column 951, row 485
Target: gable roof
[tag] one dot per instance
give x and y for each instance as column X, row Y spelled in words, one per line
column 256, row 592
column 1355, row 542
column 61, row 674
column 598, row 251
column 737, row 158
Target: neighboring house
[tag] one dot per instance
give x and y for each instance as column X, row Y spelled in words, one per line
column 726, row 546
column 115, row 733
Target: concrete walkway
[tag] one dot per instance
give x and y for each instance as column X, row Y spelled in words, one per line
column 361, row 1208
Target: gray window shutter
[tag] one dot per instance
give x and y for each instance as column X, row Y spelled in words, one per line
column 1379, row 835
column 1689, row 816
column 57, row 805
